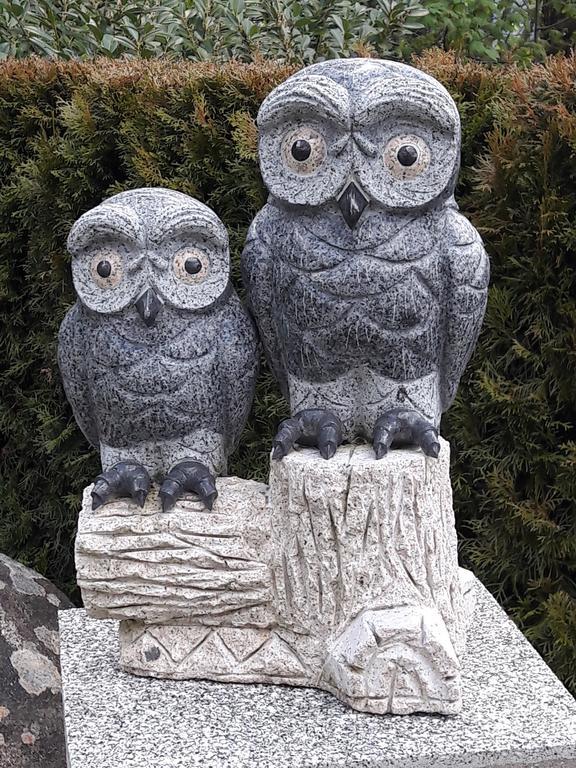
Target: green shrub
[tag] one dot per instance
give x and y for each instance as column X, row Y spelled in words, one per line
column 290, row 31
column 72, row 134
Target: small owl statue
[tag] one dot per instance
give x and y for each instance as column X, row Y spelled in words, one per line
column 158, row 356
column 367, row 285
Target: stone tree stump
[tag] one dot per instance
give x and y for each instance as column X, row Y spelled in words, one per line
column 364, row 559
column 342, row 575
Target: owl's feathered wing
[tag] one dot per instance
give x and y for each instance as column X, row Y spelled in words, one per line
column 258, row 278
column 238, row 366
column 72, row 363
column 466, row 294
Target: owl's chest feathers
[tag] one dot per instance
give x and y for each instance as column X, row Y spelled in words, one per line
column 378, row 306
column 395, row 261
column 394, row 294
column 162, row 365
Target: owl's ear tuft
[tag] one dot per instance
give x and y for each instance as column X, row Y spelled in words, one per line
column 192, row 218
column 106, row 221
column 413, row 97
column 306, row 96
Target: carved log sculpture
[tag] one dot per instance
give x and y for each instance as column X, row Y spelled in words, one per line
column 368, row 289
column 342, row 575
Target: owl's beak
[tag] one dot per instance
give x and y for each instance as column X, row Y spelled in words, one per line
column 149, row 305
column 352, row 202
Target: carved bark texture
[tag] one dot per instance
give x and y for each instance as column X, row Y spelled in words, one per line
column 343, row 576
column 186, row 565
column 354, row 533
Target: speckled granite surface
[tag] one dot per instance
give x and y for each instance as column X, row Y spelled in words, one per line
column 516, row 713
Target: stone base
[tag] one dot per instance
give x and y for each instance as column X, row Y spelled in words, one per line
column 367, row 667
column 515, row 713
column 340, row 574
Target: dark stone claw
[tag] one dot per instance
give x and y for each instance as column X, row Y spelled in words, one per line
column 188, row 477
column 428, row 440
column 124, row 480
column 288, row 433
column 385, row 431
column 169, row 493
column 329, row 435
column 311, row 427
column 382, row 445
column 140, row 497
column 405, row 426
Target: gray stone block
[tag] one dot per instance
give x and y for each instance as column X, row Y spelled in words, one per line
column 515, row 713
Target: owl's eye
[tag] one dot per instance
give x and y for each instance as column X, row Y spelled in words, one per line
column 191, row 265
column 303, row 150
column 406, row 156
column 106, row 268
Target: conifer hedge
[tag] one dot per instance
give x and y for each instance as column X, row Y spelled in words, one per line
column 74, row 133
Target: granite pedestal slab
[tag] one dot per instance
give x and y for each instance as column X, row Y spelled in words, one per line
column 340, row 574
column 515, row 713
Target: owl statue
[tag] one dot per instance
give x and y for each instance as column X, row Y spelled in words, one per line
column 158, row 356
column 367, row 285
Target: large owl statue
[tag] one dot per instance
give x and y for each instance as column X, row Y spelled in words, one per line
column 367, row 285
column 158, row 356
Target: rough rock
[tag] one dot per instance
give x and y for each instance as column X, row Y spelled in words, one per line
column 343, row 574
column 31, row 720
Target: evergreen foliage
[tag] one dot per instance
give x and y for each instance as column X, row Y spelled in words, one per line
column 289, row 31
column 74, row 133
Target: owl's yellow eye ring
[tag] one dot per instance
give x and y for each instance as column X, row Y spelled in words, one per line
column 406, row 157
column 106, row 268
column 191, row 265
column 303, row 150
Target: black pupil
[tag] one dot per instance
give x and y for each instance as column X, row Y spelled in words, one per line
column 301, row 150
column 407, row 155
column 104, row 268
column 193, row 266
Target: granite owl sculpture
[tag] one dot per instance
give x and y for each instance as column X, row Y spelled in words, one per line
column 367, row 285
column 158, row 356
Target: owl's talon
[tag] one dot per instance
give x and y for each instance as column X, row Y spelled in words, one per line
column 188, row 477
column 209, row 497
column 381, row 448
column 288, row 432
column 124, row 480
column 327, row 449
column 140, row 498
column 429, row 443
column 97, row 501
column 278, row 451
column 168, row 494
column 329, row 436
column 406, row 427
column 311, row 427
column 386, row 429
